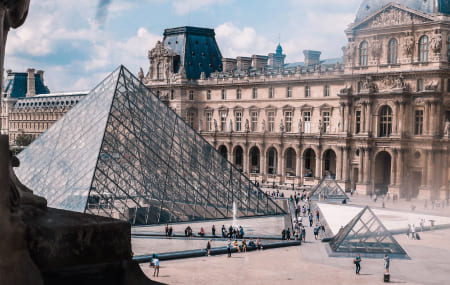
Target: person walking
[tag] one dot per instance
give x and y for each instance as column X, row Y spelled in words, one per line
column 288, row 234
column 156, row 262
column 310, row 219
column 357, row 262
column 208, row 248
column 413, row 231
column 167, row 230
column 303, row 234
column 387, row 260
column 229, row 247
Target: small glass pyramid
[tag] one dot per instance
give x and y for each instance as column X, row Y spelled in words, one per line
column 328, row 189
column 366, row 234
column 122, row 153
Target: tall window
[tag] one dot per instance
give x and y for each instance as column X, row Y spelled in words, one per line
column 448, row 85
column 239, row 94
column 418, row 122
column 191, row 95
column 190, row 119
column 255, row 93
column 238, row 121
column 271, row 121
column 308, row 91
column 307, row 122
column 159, row 71
column 360, row 86
column 209, row 122
column 254, row 116
column 271, row 92
column 288, row 121
column 385, row 121
column 363, row 54
column 358, row 122
column 223, row 121
column 224, row 94
column 393, row 51
column 172, row 94
column 289, row 92
column 448, row 49
column 326, row 91
column 208, row 95
column 423, row 49
column 326, row 122
column 419, row 85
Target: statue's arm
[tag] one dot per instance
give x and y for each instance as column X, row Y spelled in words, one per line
column 17, row 11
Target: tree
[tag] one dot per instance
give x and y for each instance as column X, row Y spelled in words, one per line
column 24, row 139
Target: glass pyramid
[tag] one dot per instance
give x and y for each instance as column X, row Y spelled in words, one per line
column 366, row 234
column 328, row 189
column 123, row 153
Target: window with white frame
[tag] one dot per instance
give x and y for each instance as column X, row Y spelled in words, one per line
column 363, row 54
column 307, row 122
column 307, row 91
column 224, row 94
column 190, row 118
column 289, row 92
column 288, row 121
column 326, row 122
column 238, row 116
column 209, row 126
column 271, row 92
column 326, row 92
column 208, row 95
column 191, row 95
column 271, row 121
column 255, row 93
column 239, row 94
column 423, row 49
column 418, row 122
column 254, row 115
column 223, row 121
column 357, row 121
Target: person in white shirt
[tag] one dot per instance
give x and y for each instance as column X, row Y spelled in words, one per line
column 156, row 262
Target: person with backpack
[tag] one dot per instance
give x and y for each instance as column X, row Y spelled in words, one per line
column 357, row 262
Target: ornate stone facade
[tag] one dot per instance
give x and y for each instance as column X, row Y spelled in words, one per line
column 376, row 121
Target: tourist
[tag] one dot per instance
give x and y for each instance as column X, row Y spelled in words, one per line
column 167, row 230
column 208, row 247
column 303, row 233
column 288, row 234
column 259, row 244
column 170, row 231
column 317, row 214
column 357, row 262
column 413, row 231
column 422, row 224
column 241, row 232
column 156, row 262
column 303, row 210
column 387, row 260
column 213, row 231
column 310, row 216
column 297, row 233
column 202, row 232
column 408, row 230
column 316, row 232
column 236, row 245
column 229, row 247
column 230, row 231
column 251, row 243
column 244, row 245
column 283, row 234
column 224, row 231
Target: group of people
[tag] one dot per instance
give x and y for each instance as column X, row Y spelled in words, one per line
column 357, row 261
column 233, row 233
column 240, row 248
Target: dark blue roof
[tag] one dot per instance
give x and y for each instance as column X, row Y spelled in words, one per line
column 369, row 7
column 197, row 48
column 16, row 85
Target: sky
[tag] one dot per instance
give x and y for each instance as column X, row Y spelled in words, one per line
column 79, row 42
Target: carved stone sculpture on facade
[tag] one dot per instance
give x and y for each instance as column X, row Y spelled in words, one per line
column 369, row 85
column 447, row 130
column 263, row 126
column 376, row 48
column 141, row 74
column 300, row 126
column 347, row 90
column 408, row 45
column 247, row 126
column 215, row 125
column 432, row 86
column 281, row 126
column 436, row 43
column 350, row 52
column 231, row 125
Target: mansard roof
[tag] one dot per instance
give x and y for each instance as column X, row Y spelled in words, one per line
column 16, row 85
column 368, row 7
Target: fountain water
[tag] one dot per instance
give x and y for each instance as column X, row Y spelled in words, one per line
column 234, row 215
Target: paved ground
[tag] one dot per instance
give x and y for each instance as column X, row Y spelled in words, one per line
column 309, row 264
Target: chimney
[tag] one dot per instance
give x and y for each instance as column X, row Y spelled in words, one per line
column 312, row 57
column 40, row 73
column 31, row 84
column 259, row 61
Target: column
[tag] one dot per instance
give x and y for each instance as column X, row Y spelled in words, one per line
column 425, row 168
column 394, row 168
column 347, row 120
column 245, row 164
column 302, row 163
column 297, row 164
column 263, row 162
column 360, row 169
column 318, row 171
column 426, row 130
column 366, row 166
column 445, row 167
column 279, row 163
column 400, row 118
column 368, row 117
column 230, row 153
column 339, row 165
column 396, row 117
column 430, row 167
column 345, row 164
column 399, row 169
column 433, row 115
column 363, row 118
column 341, row 128
column 283, row 165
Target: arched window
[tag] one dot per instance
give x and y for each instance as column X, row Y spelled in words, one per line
column 159, row 71
column 393, row 51
column 363, row 54
column 385, row 121
column 272, row 161
column 448, row 49
column 423, row 49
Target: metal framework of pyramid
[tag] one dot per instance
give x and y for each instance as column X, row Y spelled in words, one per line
column 366, row 234
column 328, row 189
column 123, row 153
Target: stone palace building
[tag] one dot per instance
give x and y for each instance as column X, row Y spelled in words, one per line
column 377, row 119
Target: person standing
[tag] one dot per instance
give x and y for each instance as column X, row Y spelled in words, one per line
column 310, row 219
column 229, row 247
column 213, row 231
column 224, row 231
column 387, row 260
column 167, row 230
column 208, row 247
column 413, row 231
column 156, row 262
column 357, row 262
column 303, row 234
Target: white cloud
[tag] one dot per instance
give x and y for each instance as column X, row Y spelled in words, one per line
column 183, row 7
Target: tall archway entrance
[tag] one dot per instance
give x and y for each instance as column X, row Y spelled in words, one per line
column 272, row 161
column 289, row 157
column 223, row 151
column 329, row 163
column 239, row 157
column 309, row 157
column 254, row 160
column 382, row 172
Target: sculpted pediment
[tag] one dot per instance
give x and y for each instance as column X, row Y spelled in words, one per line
column 392, row 15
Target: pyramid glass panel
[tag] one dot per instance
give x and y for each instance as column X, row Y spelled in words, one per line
column 328, row 189
column 123, row 153
column 366, row 234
